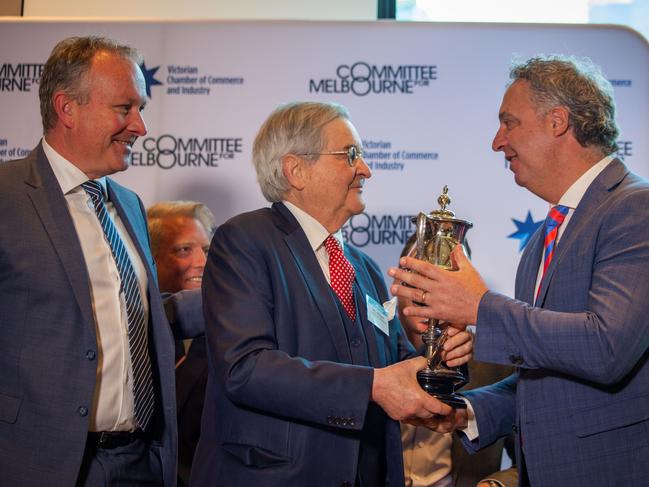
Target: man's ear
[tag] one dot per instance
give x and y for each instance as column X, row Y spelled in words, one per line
column 560, row 119
column 294, row 169
column 65, row 108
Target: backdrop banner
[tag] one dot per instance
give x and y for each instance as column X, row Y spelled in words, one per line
column 423, row 96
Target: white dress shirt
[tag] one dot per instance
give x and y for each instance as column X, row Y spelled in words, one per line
column 113, row 406
column 316, row 234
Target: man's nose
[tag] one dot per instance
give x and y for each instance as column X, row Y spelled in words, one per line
column 499, row 141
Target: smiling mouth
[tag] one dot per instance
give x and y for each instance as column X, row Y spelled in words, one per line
column 126, row 143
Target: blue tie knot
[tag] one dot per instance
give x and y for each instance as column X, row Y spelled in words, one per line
column 93, row 188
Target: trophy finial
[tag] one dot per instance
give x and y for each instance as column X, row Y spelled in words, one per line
column 444, row 199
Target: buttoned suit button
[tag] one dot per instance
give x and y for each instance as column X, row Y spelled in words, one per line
column 83, row 411
column 515, row 428
column 91, row 354
column 516, row 359
column 355, row 342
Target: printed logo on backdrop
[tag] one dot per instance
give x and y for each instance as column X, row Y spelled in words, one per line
column 624, row 149
column 20, row 76
column 9, row 152
column 191, row 80
column 361, row 79
column 168, row 151
column 524, row 230
column 382, row 156
column 620, row 83
column 149, row 77
column 370, row 229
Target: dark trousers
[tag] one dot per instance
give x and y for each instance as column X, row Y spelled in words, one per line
column 135, row 464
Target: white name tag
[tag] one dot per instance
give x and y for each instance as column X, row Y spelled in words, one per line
column 377, row 315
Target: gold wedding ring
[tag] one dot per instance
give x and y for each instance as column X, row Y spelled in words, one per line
column 423, row 297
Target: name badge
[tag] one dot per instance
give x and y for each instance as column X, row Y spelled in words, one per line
column 377, row 315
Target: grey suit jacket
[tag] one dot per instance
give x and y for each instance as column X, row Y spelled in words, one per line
column 48, row 342
column 580, row 401
column 285, row 404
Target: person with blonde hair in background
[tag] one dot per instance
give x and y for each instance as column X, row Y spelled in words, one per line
column 180, row 237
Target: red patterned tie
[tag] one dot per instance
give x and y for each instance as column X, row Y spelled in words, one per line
column 552, row 223
column 342, row 275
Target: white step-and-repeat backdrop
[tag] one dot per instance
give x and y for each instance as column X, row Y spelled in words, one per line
column 424, row 98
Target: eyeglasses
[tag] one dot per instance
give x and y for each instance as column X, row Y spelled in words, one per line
column 352, row 154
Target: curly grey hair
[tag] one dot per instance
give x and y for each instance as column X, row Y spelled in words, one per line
column 579, row 86
column 293, row 128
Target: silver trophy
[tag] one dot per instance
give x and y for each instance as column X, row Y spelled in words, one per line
column 437, row 235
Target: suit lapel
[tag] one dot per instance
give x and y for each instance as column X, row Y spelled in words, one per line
column 307, row 263
column 373, row 335
column 529, row 267
column 52, row 209
column 594, row 196
column 129, row 210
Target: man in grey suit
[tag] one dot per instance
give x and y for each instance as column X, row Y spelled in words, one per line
column 579, row 327
column 87, row 384
column 306, row 376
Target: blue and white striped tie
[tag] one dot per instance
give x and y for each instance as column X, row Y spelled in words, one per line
column 137, row 336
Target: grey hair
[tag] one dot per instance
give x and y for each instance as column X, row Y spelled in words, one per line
column 293, row 128
column 67, row 68
column 579, row 86
column 160, row 212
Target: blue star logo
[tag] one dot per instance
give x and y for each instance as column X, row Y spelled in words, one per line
column 149, row 77
column 524, row 230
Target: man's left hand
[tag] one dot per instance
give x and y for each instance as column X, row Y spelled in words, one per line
column 452, row 296
column 458, row 347
column 442, row 424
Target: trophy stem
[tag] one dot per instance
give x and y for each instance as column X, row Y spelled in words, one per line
column 436, row 379
column 434, row 338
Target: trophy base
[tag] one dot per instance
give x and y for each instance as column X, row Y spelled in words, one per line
column 441, row 384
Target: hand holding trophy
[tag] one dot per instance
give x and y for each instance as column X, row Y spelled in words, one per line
column 437, row 234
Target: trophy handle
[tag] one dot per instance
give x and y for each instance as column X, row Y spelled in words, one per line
column 421, row 235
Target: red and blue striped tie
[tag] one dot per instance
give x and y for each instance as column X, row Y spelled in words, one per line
column 552, row 223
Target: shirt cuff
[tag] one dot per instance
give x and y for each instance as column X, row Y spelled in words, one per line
column 471, row 429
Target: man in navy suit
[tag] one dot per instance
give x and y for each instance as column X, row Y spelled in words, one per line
column 68, row 412
column 305, row 386
column 578, row 329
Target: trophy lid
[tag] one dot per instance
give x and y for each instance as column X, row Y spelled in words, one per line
column 444, row 200
column 443, row 214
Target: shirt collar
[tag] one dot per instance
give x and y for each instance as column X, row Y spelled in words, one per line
column 575, row 193
column 315, row 232
column 67, row 174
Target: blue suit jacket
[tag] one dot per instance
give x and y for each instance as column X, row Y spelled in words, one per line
column 284, row 404
column 48, row 344
column 580, row 400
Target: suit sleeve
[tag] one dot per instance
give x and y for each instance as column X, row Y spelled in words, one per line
column 603, row 282
column 243, row 328
column 184, row 311
column 495, row 411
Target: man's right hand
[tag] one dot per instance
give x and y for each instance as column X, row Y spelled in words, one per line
column 396, row 390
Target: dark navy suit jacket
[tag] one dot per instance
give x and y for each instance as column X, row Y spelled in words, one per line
column 284, row 404
column 580, row 401
column 48, row 343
